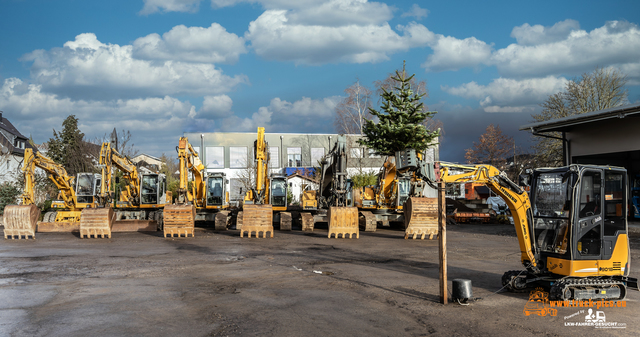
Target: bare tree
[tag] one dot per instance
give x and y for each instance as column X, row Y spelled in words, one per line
column 125, row 147
column 603, row 88
column 353, row 110
column 493, row 148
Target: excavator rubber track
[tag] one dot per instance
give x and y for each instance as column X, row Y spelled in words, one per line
column 307, row 222
column 258, row 219
column 369, row 221
column 343, row 220
column 96, row 222
column 421, row 217
column 20, row 221
column 179, row 220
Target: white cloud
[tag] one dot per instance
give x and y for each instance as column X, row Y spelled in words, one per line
column 416, row 12
column 153, row 6
column 505, row 94
column 336, row 13
column 154, row 122
column 450, row 53
column 528, row 35
column 214, row 107
column 191, row 44
column 615, row 44
column 274, row 38
column 90, row 69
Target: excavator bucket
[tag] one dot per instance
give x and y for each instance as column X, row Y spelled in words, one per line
column 421, row 217
column 343, row 220
column 257, row 218
column 179, row 220
column 96, row 222
column 20, row 221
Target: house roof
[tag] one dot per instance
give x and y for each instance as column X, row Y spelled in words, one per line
column 566, row 123
column 6, row 125
column 298, row 175
column 146, row 155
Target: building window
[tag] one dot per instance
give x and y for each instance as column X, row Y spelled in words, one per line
column 294, row 157
column 372, row 153
column 274, row 156
column 316, row 155
column 215, row 157
column 356, row 152
column 238, row 157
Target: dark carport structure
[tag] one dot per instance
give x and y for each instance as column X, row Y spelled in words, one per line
column 605, row 137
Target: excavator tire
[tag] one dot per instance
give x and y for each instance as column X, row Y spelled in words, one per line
column 369, row 221
column 96, row 222
column 257, row 218
column 222, row 218
column 20, row 221
column 307, row 222
column 179, row 220
column 285, row 221
column 421, row 217
column 343, row 220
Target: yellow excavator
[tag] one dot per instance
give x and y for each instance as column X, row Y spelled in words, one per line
column 21, row 220
column 142, row 198
column 572, row 229
column 332, row 202
column 267, row 199
column 207, row 200
column 399, row 196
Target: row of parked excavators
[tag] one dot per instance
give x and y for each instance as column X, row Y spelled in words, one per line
column 571, row 222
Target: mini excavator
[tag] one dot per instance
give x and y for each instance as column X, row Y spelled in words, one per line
column 572, row 229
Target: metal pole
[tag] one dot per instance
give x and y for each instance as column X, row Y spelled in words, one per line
column 442, row 242
column 282, row 164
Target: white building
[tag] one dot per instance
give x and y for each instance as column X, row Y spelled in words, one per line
column 12, row 145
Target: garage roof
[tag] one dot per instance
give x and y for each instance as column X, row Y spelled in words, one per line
column 565, row 123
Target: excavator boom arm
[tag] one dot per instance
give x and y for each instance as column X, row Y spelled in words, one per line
column 516, row 198
column 56, row 173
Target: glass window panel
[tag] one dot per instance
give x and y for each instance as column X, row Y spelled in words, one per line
column 215, row 157
column 238, row 157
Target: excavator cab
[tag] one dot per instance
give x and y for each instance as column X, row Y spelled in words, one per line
column 152, row 189
column 278, row 193
column 87, row 188
column 216, row 190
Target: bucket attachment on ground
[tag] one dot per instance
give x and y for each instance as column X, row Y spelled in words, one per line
column 179, row 220
column 257, row 218
column 421, row 217
column 369, row 222
column 20, row 221
column 343, row 220
column 307, row 222
column 96, row 222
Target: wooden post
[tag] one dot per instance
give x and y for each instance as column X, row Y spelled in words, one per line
column 442, row 240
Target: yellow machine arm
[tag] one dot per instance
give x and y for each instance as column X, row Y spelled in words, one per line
column 110, row 156
column 190, row 162
column 515, row 197
column 56, row 173
column 260, row 194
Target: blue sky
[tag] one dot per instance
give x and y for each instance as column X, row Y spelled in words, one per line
column 162, row 67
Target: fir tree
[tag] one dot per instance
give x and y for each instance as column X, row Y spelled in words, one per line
column 400, row 123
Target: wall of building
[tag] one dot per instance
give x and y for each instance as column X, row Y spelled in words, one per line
column 608, row 136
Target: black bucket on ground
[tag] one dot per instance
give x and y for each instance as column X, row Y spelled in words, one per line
column 461, row 290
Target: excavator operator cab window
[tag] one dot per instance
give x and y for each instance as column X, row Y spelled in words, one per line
column 149, row 193
column 403, row 191
column 215, row 191
column 279, row 192
column 551, row 194
column 85, row 188
column 589, row 225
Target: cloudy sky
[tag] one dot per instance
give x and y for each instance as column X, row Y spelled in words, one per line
column 163, row 67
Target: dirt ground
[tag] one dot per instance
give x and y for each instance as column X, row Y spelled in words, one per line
column 295, row 284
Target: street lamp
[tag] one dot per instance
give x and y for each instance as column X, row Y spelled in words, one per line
column 284, row 170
